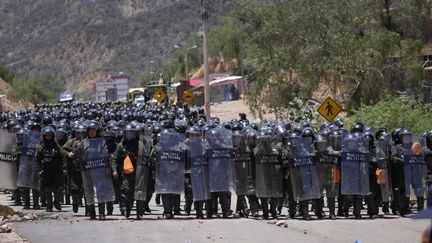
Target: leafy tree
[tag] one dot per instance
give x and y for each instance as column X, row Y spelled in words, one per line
column 32, row 91
column 392, row 113
column 363, row 50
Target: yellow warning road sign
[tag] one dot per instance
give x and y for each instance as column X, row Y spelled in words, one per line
column 188, row 96
column 329, row 109
column 159, row 95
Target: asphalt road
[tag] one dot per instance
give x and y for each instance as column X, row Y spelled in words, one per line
column 71, row 228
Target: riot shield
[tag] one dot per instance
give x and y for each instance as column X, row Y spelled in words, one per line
column 414, row 167
column 354, row 166
column 327, row 169
column 95, row 171
column 240, row 164
column 199, row 170
column 142, row 171
column 170, row 167
column 8, row 166
column 219, row 159
column 382, row 155
column 27, row 174
column 303, row 170
column 268, row 167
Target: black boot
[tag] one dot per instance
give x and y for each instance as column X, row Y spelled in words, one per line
column 35, row 199
column 280, row 205
column 146, row 207
column 25, row 193
column 264, row 205
column 42, row 197
column 273, row 206
column 176, row 203
column 125, row 206
column 225, row 204
column 253, row 202
column 357, row 206
column 385, row 208
column 75, row 204
column 168, row 206
column 209, row 208
column 372, row 208
column 331, row 205
column 188, row 206
column 158, row 199
column 101, row 208
column 17, row 197
column 346, row 205
column 49, row 200
column 242, row 207
column 139, row 209
column 292, row 208
column 305, row 210
column 57, row 198
column 92, row 212
column 420, row 203
column 128, row 211
column 340, row 211
column 199, row 209
column 67, row 199
column 317, row 208
column 110, row 208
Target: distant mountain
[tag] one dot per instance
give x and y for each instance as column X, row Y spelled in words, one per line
column 76, row 40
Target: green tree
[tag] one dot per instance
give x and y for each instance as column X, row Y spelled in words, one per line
column 392, row 113
column 294, row 46
column 229, row 40
column 32, row 91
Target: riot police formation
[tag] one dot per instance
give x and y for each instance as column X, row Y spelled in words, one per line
column 102, row 154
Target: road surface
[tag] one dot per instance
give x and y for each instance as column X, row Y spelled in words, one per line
column 71, row 228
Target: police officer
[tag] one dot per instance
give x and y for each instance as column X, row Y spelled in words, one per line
column 50, row 165
column 73, row 167
column 373, row 184
column 196, row 170
column 25, row 192
column 127, row 149
column 93, row 131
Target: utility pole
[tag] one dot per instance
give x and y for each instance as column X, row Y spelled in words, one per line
column 186, row 49
column 186, row 63
column 205, row 17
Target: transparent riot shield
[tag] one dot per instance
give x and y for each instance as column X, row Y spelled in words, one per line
column 382, row 154
column 170, row 168
column 328, row 169
column 303, row 170
column 240, row 164
column 268, row 167
column 27, row 174
column 199, row 170
column 354, row 166
column 142, row 171
column 8, row 166
column 414, row 166
column 219, row 159
column 95, row 171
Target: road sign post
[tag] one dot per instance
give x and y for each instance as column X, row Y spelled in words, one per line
column 188, row 96
column 159, row 95
column 329, row 109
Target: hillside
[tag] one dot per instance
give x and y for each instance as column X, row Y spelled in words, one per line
column 6, row 103
column 72, row 41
